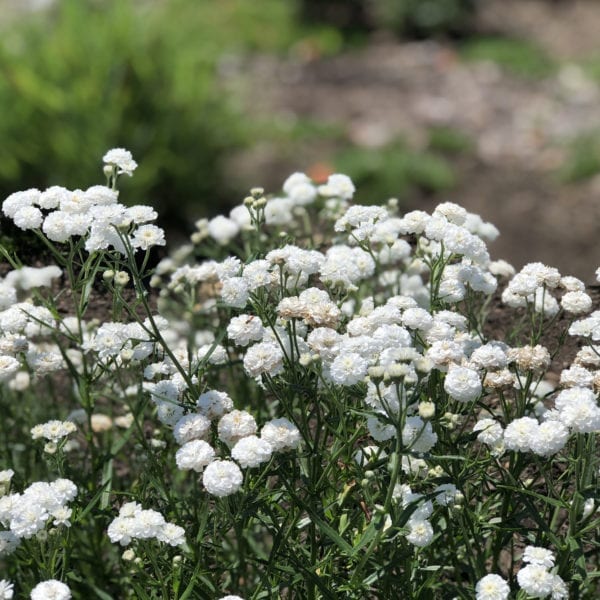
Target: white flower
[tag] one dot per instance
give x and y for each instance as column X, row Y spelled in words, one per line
column 28, row 217
column 171, row 534
column 446, row 494
column 462, row 384
column 538, row 556
column 27, row 278
column 61, row 516
column 214, row 404
column 281, row 434
column 489, row 356
column 576, row 303
column 222, row 478
column 236, row 425
column 122, row 159
column 19, row 200
column 348, row 369
column 148, row 236
column 379, row 430
column 420, row 532
column 8, row 367
column 578, row 409
column 490, row 431
column 51, row 590
column 121, row 530
column 519, row 434
column 535, row 581
column 53, row 430
column 301, row 194
column 235, row 292
column 194, row 455
column 339, row 186
column 445, row 352
column 6, row 590
column 549, row 438
column 265, row 357
column 278, row 211
column 559, row 588
column 147, row 523
column 417, row 318
column 140, row 213
column 576, row 376
column 245, row 329
column 64, row 490
column 222, row 229
column 251, row 451
column 418, row 435
column 193, row 426
column 492, row 587
column 97, row 195
column 56, row 226
column 258, row 274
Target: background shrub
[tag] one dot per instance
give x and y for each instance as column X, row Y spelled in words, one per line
column 94, row 74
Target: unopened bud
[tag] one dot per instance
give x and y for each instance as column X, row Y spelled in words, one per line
column 426, row 409
column 121, row 278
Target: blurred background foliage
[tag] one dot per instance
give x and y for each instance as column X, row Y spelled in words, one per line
column 83, row 76
column 90, row 75
column 420, row 18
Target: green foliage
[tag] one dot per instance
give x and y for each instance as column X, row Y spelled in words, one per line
column 394, row 170
column 519, row 57
column 424, row 17
column 404, row 17
column 448, row 140
column 583, row 158
column 92, row 75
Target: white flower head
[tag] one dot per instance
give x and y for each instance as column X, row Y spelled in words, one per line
column 51, row 590
column 6, row 590
column 492, row 587
column 538, row 556
column 122, row 159
column 222, row 478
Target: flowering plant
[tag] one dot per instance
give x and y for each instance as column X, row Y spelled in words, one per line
column 316, row 408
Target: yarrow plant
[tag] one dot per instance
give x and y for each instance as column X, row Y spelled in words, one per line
column 306, row 401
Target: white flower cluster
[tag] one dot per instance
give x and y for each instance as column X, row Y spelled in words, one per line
column 575, row 410
column 24, row 515
column 536, row 578
column 299, row 192
column 130, row 341
column 134, row 523
column 238, row 430
column 534, row 284
column 53, row 431
column 94, row 214
column 392, row 341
